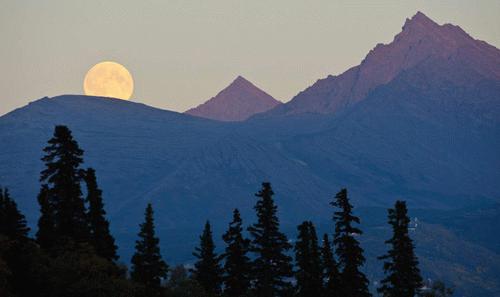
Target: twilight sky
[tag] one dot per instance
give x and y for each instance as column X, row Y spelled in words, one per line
column 182, row 52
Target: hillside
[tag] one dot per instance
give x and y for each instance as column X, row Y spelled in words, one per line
column 194, row 169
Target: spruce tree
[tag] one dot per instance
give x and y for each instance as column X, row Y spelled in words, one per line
column 17, row 250
column 45, row 236
column 180, row 284
column 330, row 270
column 63, row 176
column 12, row 221
column 401, row 264
column 100, row 236
column 307, row 257
column 272, row 266
column 353, row 282
column 148, row 267
column 237, row 265
column 207, row 271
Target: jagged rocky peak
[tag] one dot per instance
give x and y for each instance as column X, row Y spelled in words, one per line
column 419, row 21
column 420, row 26
column 444, row 52
column 422, row 40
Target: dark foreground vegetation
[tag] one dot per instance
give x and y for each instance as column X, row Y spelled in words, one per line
column 74, row 254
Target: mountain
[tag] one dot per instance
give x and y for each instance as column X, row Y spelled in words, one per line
column 237, row 102
column 444, row 49
column 193, row 169
column 429, row 135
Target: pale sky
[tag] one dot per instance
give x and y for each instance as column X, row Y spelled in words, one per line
column 182, row 52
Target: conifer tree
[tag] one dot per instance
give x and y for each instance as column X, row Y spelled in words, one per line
column 272, row 266
column 309, row 275
column 100, row 236
column 16, row 249
column 63, row 176
column 148, row 267
column 180, row 284
column 330, row 270
column 207, row 271
column 353, row 282
column 237, row 266
column 45, row 236
column 12, row 221
column 401, row 264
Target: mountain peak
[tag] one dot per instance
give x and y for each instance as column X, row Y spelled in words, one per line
column 445, row 51
column 241, row 79
column 420, row 27
column 241, row 82
column 421, row 21
column 237, row 102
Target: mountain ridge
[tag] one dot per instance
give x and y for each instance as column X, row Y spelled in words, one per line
column 421, row 39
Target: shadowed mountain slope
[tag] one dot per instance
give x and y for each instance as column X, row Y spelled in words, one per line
column 435, row 154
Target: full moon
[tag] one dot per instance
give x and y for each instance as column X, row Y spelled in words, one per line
column 108, row 79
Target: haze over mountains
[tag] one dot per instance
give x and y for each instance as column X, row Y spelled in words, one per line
column 237, row 102
column 418, row 119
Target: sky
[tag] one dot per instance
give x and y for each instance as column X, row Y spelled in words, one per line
column 183, row 52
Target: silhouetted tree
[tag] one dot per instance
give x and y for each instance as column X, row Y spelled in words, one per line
column 237, row 265
column 181, row 285
column 401, row 266
column 353, row 282
column 307, row 257
column 78, row 272
column 272, row 266
column 63, row 176
column 207, row 271
column 18, row 250
column 148, row 267
column 12, row 221
column 100, row 236
column 45, row 236
column 5, row 273
column 330, row 270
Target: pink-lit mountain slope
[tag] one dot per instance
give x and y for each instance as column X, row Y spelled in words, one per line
column 237, row 102
column 446, row 51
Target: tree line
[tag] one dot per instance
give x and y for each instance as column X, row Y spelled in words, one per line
column 73, row 252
